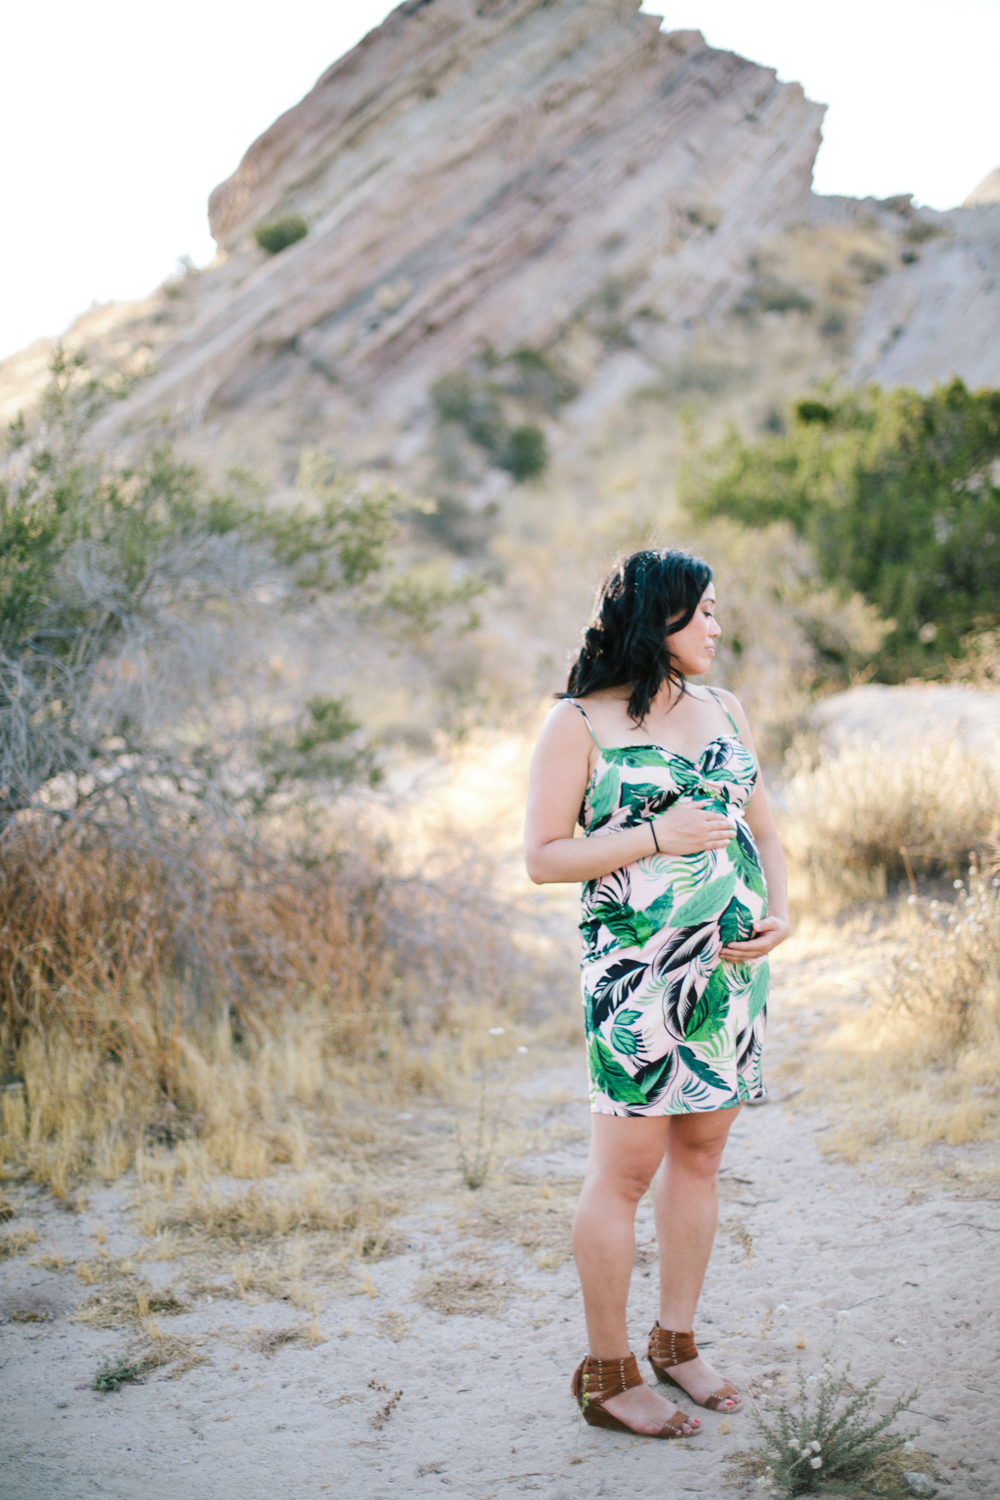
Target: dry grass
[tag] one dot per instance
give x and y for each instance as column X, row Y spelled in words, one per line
column 854, row 820
column 16, row 1242
column 355, row 1217
column 471, row 1289
column 123, row 1033
column 125, row 1298
column 269, row 1341
column 919, row 1064
column 125, row 947
column 532, row 1213
column 158, row 1351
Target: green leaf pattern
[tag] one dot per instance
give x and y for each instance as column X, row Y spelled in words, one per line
column 687, row 1033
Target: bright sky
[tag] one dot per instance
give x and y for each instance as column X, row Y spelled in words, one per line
column 118, row 118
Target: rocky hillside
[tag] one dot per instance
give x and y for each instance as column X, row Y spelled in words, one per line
column 538, row 231
column 560, row 177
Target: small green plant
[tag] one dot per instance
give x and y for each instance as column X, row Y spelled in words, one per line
column 770, row 294
column 526, row 454
column 833, row 1437
column 474, row 1164
column 121, row 1371
column 283, row 232
column 476, row 406
column 919, row 230
column 475, row 1161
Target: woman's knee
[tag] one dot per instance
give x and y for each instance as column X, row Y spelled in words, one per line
column 701, row 1157
column 628, row 1181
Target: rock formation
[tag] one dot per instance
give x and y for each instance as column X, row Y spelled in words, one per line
column 474, row 175
column 484, row 176
column 988, row 191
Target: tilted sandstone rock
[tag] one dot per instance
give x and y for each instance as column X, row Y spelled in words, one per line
column 986, row 192
column 480, row 176
column 472, row 175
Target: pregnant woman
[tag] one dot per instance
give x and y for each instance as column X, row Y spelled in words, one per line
column 683, row 898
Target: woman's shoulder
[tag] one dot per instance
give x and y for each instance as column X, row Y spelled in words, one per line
column 732, row 705
column 725, row 696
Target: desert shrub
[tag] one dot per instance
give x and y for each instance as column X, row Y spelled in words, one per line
column 283, row 232
column 453, row 524
column 867, row 268
column 476, row 405
column 141, row 749
column 209, row 998
column 895, row 492
column 833, row 1435
column 979, row 663
column 920, row 230
column 526, row 454
column 133, row 603
column 531, row 375
column 854, row 819
column 770, row 294
column 947, row 976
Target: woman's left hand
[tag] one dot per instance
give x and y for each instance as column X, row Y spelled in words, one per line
column 767, row 934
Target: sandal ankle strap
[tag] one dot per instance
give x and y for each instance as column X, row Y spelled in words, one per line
column 601, row 1379
column 668, row 1347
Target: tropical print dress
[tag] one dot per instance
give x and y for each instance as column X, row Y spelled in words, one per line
column 672, row 1028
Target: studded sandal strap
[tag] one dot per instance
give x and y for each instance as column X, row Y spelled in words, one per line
column 668, row 1348
column 724, row 1393
column 676, row 1422
column 601, row 1379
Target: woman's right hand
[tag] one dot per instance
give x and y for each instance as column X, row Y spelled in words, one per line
column 688, row 828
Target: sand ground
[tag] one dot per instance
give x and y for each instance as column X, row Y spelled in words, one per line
column 813, row 1254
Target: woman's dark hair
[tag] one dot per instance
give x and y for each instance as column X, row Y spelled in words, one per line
column 648, row 597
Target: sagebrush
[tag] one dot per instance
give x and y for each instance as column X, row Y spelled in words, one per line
column 867, row 814
column 831, row 1433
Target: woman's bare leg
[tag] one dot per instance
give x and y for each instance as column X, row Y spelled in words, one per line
column 687, row 1211
column 624, row 1156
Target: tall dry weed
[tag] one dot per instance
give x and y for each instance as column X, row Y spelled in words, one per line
column 219, row 997
column 920, row 1063
column 855, row 820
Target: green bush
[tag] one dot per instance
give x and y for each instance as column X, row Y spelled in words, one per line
column 283, row 232
column 769, row 294
column 527, row 453
column 476, row 406
column 133, row 600
column 834, row 1438
column 535, row 378
column 896, row 493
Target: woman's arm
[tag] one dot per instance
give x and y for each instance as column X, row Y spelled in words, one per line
column 560, row 770
column 772, row 929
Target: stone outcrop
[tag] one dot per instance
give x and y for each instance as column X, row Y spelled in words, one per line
column 938, row 314
column 987, row 192
column 482, row 176
column 472, row 175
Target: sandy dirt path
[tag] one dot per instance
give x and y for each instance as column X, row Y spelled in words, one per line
column 811, row 1252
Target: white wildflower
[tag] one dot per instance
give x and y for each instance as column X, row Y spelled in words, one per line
column 522, row 1049
column 815, row 1463
column 496, row 1031
column 816, row 1447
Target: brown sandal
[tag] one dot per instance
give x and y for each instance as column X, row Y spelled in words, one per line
column 667, row 1349
column 592, row 1387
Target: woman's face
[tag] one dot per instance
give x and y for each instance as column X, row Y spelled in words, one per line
column 693, row 648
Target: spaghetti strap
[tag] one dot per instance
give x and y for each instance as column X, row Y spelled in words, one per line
column 593, row 736
column 725, row 710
